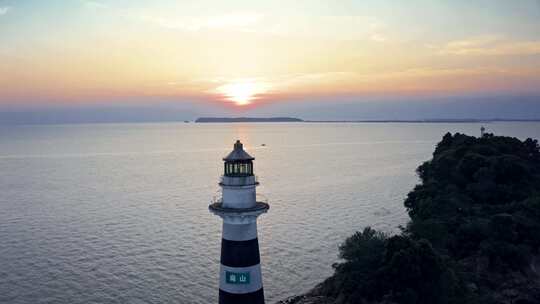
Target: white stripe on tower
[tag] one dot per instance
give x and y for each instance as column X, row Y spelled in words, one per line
column 254, row 274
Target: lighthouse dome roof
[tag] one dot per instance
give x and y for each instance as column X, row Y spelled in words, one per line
column 238, row 153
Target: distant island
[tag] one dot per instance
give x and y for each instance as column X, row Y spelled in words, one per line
column 247, row 119
column 473, row 235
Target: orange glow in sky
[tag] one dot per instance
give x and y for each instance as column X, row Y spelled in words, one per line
column 265, row 51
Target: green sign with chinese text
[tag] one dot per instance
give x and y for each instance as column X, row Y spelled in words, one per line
column 236, row 277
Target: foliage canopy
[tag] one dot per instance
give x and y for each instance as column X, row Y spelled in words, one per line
column 475, row 219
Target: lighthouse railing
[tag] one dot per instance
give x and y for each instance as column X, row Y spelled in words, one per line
column 238, row 180
column 218, row 199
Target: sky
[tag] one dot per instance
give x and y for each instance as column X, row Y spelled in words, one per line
column 355, row 59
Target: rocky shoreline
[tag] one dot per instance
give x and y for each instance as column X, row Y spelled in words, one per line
column 304, row 300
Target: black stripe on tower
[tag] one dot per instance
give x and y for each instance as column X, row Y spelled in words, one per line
column 240, row 253
column 256, row 297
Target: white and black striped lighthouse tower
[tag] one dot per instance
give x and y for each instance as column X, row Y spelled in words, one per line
column 240, row 280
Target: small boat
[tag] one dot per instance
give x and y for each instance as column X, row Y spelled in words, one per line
column 263, row 145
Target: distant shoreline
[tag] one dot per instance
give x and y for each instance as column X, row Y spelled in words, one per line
column 246, row 119
column 294, row 119
column 427, row 121
column 263, row 120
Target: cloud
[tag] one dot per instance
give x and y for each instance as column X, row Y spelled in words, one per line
column 4, row 10
column 342, row 27
column 333, row 80
column 377, row 37
column 238, row 21
column 488, row 46
column 347, row 28
column 375, row 29
column 95, row 4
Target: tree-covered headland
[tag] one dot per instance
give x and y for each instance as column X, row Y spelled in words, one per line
column 473, row 237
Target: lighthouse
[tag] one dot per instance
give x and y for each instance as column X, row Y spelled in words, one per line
column 240, row 279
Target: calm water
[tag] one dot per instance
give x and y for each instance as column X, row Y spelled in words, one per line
column 117, row 213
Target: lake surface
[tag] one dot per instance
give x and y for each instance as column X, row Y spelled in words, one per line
column 118, row 213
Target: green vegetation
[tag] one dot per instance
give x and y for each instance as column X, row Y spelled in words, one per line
column 474, row 234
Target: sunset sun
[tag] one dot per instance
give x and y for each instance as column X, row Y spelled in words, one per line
column 242, row 93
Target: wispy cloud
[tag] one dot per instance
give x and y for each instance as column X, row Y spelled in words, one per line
column 95, row 4
column 376, row 29
column 4, row 10
column 341, row 80
column 377, row 37
column 343, row 27
column 238, row 21
column 488, row 46
column 363, row 28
